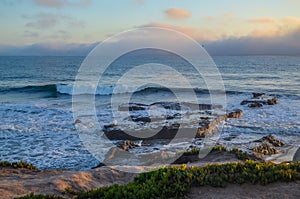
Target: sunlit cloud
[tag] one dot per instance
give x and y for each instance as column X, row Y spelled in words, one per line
column 262, row 20
column 271, row 27
column 254, row 45
column 177, row 13
column 199, row 34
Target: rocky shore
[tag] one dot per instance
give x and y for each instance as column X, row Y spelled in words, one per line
column 168, row 127
column 66, row 184
column 22, row 181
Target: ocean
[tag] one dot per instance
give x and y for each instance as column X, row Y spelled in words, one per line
column 37, row 123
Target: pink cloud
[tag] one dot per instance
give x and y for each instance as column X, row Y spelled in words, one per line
column 177, row 13
column 263, row 20
column 200, row 34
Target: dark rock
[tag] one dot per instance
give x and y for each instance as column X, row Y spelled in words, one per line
column 261, row 98
column 141, row 119
column 255, row 105
column 133, row 107
column 128, row 144
column 265, row 149
column 272, row 140
column 77, row 121
column 272, row 101
column 244, row 102
column 168, row 106
column 99, row 165
column 237, row 113
column 168, row 130
column 256, row 95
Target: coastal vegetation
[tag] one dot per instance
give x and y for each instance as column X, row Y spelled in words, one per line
column 176, row 181
column 17, row 165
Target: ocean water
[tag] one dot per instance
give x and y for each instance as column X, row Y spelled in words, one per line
column 37, row 122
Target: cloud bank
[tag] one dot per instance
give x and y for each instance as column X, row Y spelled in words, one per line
column 48, row 49
column 287, row 44
column 273, row 37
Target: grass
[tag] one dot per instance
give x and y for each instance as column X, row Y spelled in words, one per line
column 241, row 155
column 192, row 151
column 17, row 165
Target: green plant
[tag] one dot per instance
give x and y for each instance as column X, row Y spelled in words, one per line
column 32, row 196
column 17, row 165
column 192, row 151
column 176, row 181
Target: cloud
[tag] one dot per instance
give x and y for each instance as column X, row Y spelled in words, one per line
column 31, row 34
column 177, row 13
column 252, row 45
column 62, row 3
column 199, row 34
column 272, row 27
column 48, row 20
column 262, row 20
column 50, row 49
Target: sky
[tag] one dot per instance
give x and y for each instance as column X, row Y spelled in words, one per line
column 224, row 27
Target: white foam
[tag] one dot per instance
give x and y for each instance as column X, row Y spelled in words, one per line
column 100, row 90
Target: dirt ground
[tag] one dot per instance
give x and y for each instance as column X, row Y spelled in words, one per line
column 280, row 190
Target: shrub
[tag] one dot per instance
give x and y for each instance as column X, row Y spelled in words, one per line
column 176, row 181
column 17, row 165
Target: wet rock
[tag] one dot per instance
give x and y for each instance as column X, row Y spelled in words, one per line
column 78, row 121
column 133, row 107
column 99, row 165
column 128, row 144
column 255, row 105
column 237, row 113
column 261, row 98
column 272, row 101
column 168, row 106
column 204, row 128
column 265, row 149
column 202, row 123
column 141, row 119
column 257, row 95
column 272, row 140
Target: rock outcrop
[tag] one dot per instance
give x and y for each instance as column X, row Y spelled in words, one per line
column 260, row 99
column 171, row 124
column 268, row 146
